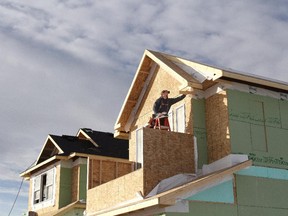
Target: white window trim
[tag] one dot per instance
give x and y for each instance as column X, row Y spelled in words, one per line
column 184, row 117
column 46, row 203
column 171, row 119
column 139, row 159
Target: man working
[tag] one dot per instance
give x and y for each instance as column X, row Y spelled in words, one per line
column 162, row 105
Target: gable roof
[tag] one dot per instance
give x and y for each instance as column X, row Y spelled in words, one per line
column 87, row 141
column 172, row 196
column 193, row 75
column 65, row 145
column 106, row 144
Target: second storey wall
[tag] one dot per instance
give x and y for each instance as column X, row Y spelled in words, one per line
column 217, row 127
column 259, row 128
column 161, row 80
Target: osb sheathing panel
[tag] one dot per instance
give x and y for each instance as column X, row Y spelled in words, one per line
column 162, row 80
column 101, row 172
column 94, row 173
column 75, row 183
column 132, row 146
column 114, row 192
column 165, row 154
column 217, row 126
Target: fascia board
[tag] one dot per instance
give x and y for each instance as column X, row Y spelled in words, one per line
column 87, row 137
column 56, row 157
column 130, row 89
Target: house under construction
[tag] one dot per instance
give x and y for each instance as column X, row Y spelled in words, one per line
column 225, row 152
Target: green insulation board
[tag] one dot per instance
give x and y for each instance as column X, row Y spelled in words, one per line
column 261, row 192
column 83, row 182
column 65, row 186
column 199, row 127
column 259, row 128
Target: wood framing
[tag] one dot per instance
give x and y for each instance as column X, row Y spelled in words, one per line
column 185, row 72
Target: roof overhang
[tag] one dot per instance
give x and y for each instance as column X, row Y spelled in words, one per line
column 27, row 173
column 47, row 141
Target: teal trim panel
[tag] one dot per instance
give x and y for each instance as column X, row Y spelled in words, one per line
column 220, row 193
column 265, row 172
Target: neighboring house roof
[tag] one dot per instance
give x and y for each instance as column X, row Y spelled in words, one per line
column 193, row 75
column 63, row 146
column 87, row 143
column 171, row 197
column 69, row 144
column 107, row 144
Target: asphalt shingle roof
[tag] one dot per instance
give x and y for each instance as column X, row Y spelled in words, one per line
column 108, row 145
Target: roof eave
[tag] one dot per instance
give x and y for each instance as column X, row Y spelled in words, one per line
column 257, row 80
column 27, row 173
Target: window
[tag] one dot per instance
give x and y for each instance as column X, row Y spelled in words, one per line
column 43, row 187
column 180, row 119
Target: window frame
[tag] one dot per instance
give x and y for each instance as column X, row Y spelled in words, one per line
column 171, row 119
column 44, row 188
column 177, row 119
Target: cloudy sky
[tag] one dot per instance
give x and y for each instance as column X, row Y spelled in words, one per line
column 67, row 64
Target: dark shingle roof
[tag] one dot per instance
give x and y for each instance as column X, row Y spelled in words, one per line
column 70, row 144
column 108, row 145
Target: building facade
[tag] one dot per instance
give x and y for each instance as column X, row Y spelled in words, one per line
column 226, row 152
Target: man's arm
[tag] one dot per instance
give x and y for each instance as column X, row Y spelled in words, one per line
column 177, row 99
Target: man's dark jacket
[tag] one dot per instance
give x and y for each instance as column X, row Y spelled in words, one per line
column 163, row 105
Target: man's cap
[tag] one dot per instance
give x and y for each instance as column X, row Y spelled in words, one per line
column 163, row 91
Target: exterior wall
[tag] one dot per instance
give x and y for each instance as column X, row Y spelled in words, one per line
column 165, row 154
column 114, row 192
column 70, row 185
column 30, row 195
column 199, row 128
column 258, row 191
column 51, row 209
column 79, row 181
column 259, row 128
column 161, row 80
column 217, row 126
column 65, row 184
column 101, row 171
column 75, row 182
